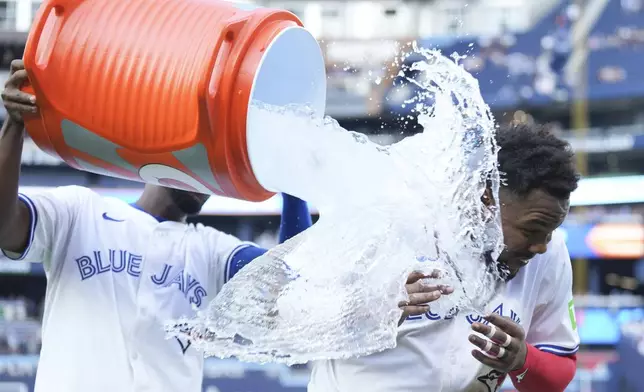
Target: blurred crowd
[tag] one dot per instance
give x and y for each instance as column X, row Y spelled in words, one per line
column 20, row 326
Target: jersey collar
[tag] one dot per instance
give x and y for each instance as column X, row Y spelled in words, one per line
column 158, row 218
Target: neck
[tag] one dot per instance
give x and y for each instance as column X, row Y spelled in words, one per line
column 156, row 202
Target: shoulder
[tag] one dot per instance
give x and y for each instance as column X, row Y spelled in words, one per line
column 222, row 245
column 69, row 198
column 206, row 234
column 82, row 195
column 60, row 192
column 553, row 261
column 557, row 258
column 552, row 271
column 204, row 230
column 557, row 246
column 90, row 204
column 210, row 233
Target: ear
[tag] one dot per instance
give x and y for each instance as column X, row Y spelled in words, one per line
column 487, row 198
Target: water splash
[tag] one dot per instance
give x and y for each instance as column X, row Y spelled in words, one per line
column 333, row 291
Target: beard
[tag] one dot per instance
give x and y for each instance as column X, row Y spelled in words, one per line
column 505, row 273
column 189, row 203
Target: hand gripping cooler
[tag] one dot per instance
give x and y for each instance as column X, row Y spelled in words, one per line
column 158, row 90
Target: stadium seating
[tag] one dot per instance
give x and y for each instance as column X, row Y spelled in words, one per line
column 617, row 51
column 518, row 70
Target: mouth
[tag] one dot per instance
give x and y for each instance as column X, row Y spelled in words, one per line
column 512, row 264
column 196, row 197
column 521, row 262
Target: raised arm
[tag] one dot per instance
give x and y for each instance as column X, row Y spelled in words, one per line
column 295, row 219
column 15, row 216
column 32, row 227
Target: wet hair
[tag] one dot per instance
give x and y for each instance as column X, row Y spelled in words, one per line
column 532, row 157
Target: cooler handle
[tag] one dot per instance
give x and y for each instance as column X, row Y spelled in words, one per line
column 42, row 38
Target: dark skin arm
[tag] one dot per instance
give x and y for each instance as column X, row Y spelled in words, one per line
column 14, row 215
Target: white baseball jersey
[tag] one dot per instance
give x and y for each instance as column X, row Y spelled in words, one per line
column 115, row 275
column 434, row 354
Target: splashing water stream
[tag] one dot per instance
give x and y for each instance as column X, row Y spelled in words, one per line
column 333, row 291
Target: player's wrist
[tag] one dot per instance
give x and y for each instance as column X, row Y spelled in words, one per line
column 524, row 360
column 13, row 126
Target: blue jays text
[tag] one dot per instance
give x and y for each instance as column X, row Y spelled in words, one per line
column 472, row 318
column 119, row 261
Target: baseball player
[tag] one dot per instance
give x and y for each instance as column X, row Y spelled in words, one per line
column 530, row 332
column 116, row 272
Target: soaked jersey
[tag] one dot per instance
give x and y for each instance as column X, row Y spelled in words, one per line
column 434, row 354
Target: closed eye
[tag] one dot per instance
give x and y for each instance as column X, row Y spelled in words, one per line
column 530, row 233
column 535, row 235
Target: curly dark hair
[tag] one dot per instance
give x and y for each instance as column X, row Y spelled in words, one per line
column 532, row 157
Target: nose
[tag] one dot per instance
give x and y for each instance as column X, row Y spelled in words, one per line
column 539, row 248
column 542, row 246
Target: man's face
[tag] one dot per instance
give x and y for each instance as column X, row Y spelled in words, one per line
column 528, row 222
column 190, row 203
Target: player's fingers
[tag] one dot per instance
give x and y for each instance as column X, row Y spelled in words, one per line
column 420, row 287
column 496, row 335
column 17, row 80
column 479, row 342
column 424, row 298
column 490, row 362
column 446, row 290
column 16, row 65
column 488, row 347
column 506, row 325
column 15, row 95
column 415, row 310
column 415, row 277
column 20, row 108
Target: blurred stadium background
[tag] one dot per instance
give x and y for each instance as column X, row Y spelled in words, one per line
column 576, row 64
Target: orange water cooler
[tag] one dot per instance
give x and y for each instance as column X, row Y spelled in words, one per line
column 158, row 90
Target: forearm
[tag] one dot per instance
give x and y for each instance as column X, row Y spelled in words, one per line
column 544, row 372
column 11, row 141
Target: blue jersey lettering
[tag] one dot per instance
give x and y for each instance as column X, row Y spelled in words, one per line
column 183, row 281
column 471, row 318
column 98, row 263
column 118, row 261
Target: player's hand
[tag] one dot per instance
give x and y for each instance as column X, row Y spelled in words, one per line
column 420, row 294
column 505, row 344
column 16, row 101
